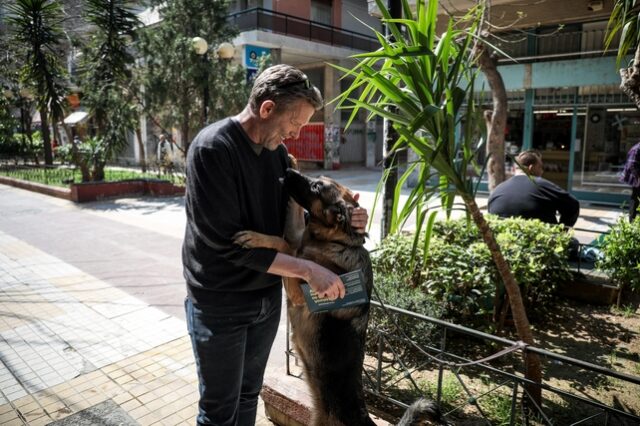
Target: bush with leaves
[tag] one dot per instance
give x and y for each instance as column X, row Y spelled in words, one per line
column 30, row 148
column 621, row 253
column 458, row 274
column 391, row 289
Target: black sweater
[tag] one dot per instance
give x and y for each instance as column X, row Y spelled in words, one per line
column 232, row 185
column 534, row 199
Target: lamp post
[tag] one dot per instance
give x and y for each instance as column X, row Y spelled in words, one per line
column 224, row 51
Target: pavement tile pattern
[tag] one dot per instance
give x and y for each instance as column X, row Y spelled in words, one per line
column 69, row 342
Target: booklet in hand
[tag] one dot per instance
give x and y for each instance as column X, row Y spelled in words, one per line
column 355, row 294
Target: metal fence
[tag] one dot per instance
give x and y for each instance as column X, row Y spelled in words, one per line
column 62, row 175
column 488, row 370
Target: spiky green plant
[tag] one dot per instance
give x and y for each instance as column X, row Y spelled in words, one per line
column 36, row 24
column 625, row 20
column 423, row 85
column 105, row 73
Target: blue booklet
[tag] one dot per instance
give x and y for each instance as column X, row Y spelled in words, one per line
column 355, row 294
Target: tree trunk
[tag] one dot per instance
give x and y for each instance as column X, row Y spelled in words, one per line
column 630, row 79
column 533, row 369
column 79, row 161
column 184, row 133
column 46, row 137
column 496, row 120
column 143, row 156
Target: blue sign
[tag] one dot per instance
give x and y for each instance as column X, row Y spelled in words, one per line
column 253, row 53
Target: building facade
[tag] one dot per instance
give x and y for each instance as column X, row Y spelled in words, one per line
column 311, row 34
column 564, row 96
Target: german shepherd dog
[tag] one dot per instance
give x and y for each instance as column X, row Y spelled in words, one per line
column 330, row 344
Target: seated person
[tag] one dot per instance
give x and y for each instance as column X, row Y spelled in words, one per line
column 533, row 197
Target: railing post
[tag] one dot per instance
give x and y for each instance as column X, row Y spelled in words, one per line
column 288, row 348
column 514, row 399
column 379, row 368
column 443, row 345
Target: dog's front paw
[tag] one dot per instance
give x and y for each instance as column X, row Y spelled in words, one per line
column 246, row 239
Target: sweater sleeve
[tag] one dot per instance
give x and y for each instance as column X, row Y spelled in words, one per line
column 566, row 204
column 216, row 208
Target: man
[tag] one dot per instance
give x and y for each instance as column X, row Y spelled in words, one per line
column 533, row 197
column 234, row 294
column 631, row 176
column 164, row 153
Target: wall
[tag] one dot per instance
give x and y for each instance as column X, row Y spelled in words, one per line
column 299, row 8
column 351, row 10
column 565, row 73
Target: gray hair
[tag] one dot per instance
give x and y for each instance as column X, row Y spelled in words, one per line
column 529, row 158
column 283, row 84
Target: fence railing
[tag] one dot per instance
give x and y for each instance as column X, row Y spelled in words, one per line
column 394, row 373
column 62, row 175
column 280, row 23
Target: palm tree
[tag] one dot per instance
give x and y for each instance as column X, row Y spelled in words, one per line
column 423, row 85
column 37, row 25
column 106, row 77
column 624, row 20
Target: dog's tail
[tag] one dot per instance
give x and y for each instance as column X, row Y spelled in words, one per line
column 423, row 412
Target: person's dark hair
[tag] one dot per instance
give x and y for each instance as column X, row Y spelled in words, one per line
column 283, row 84
column 529, row 158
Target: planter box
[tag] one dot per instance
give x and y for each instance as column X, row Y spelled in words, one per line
column 594, row 289
column 93, row 191
column 37, row 187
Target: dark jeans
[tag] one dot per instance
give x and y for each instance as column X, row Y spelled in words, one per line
column 231, row 343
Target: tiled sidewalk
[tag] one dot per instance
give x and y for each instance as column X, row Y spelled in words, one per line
column 69, row 342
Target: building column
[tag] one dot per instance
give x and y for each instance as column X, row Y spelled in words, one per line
column 573, row 142
column 331, row 119
column 276, row 56
column 527, row 132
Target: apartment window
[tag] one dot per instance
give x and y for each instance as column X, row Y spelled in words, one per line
column 240, row 5
column 321, row 11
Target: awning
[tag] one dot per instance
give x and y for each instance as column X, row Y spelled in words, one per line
column 76, row 117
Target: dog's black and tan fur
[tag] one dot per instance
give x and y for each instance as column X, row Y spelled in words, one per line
column 331, row 345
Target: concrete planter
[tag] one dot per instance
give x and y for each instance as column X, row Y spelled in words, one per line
column 594, row 288
column 92, row 191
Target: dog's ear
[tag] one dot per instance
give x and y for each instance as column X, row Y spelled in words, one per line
column 336, row 213
column 339, row 214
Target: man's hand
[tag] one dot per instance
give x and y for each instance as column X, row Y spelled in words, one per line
column 324, row 282
column 359, row 217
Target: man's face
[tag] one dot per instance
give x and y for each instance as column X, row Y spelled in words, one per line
column 285, row 122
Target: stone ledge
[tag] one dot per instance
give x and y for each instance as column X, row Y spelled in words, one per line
column 93, row 191
column 592, row 289
column 37, row 187
column 288, row 402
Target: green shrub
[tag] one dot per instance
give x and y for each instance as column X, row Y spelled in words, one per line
column 458, row 274
column 29, row 148
column 621, row 253
column 391, row 290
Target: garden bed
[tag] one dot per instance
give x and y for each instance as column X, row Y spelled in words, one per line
column 605, row 336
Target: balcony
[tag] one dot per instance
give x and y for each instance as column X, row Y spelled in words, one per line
column 280, row 23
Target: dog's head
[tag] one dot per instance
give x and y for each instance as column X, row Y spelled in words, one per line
column 329, row 204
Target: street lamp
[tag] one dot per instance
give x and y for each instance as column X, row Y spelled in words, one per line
column 224, row 51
